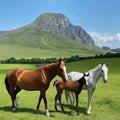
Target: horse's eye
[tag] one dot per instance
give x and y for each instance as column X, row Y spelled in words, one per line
column 102, row 71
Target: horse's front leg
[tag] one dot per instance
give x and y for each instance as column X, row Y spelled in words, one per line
column 40, row 98
column 45, row 102
column 90, row 93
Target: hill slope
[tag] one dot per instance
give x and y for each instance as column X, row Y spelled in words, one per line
column 28, row 42
column 60, row 25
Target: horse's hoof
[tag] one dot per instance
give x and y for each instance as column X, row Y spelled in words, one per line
column 63, row 111
column 14, row 109
column 88, row 112
column 48, row 114
column 38, row 111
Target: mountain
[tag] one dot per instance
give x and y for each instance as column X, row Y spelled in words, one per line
column 60, row 25
column 33, row 41
column 108, row 48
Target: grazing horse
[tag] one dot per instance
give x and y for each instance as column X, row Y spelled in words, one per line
column 74, row 86
column 94, row 75
column 31, row 80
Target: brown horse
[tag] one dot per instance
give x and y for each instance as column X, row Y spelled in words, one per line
column 31, row 80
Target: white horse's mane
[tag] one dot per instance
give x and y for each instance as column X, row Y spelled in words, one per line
column 96, row 68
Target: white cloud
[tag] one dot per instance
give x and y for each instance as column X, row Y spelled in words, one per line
column 117, row 37
column 106, row 39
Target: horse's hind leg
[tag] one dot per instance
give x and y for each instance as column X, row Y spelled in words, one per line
column 17, row 90
column 13, row 92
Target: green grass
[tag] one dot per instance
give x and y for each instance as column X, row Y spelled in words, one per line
column 105, row 102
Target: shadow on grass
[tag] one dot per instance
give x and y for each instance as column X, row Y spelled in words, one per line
column 72, row 108
column 8, row 109
column 33, row 111
column 25, row 110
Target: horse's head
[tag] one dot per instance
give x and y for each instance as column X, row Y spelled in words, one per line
column 86, row 78
column 62, row 70
column 104, row 72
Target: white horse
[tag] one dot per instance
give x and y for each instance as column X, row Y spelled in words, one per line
column 94, row 75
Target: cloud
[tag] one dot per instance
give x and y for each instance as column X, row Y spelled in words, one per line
column 117, row 36
column 106, row 39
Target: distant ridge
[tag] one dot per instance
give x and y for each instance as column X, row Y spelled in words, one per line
column 108, row 48
column 59, row 24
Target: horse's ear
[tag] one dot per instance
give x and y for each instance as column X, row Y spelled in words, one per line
column 86, row 74
column 60, row 60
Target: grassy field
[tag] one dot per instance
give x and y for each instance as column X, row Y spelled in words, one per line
column 105, row 103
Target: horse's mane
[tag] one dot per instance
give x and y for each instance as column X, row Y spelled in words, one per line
column 96, row 68
column 48, row 66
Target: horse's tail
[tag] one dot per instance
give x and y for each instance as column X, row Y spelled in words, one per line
column 54, row 83
column 7, row 84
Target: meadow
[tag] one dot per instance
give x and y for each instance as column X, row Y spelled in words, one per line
column 105, row 102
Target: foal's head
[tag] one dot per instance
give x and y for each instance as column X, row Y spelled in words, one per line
column 84, row 79
column 62, row 70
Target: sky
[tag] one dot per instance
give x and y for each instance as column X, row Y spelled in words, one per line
column 99, row 18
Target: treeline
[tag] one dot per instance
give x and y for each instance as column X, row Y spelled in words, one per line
column 38, row 61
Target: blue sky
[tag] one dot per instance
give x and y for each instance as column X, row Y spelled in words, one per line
column 100, row 18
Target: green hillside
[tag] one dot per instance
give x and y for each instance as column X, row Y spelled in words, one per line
column 28, row 43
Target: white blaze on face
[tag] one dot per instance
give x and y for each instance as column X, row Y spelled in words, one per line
column 64, row 68
column 105, row 72
column 87, row 79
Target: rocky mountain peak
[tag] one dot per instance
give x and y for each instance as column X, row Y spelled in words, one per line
column 60, row 25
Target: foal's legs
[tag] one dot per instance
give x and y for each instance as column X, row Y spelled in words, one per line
column 61, row 104
column 77, row 95
column 58, row 96
column 55, row 105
